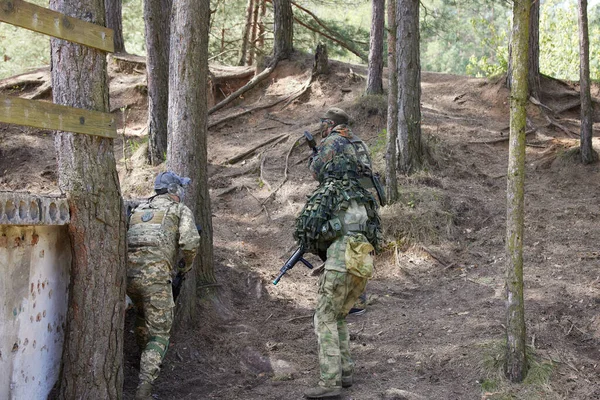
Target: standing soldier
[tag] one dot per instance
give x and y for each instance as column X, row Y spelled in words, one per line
column 158, row 230
column 340, row 223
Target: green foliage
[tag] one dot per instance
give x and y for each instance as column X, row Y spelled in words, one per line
column 133, row 27
column 21, row 49
column 559, row 40
column 465, row 36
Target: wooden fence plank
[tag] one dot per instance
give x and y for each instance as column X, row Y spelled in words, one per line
column 43, row 20
column 41, row 114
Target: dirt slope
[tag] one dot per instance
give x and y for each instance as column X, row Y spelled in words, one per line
column 435, row 324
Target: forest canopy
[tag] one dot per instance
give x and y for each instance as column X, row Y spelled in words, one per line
column 464, row 37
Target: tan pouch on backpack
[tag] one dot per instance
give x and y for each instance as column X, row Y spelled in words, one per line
column 359, row 261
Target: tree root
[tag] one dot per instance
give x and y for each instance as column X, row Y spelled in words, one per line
column 248, row 111
column 250, row 152
column 252, row 83
column 285, row 171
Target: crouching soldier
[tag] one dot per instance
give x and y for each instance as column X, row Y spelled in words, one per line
column 158, row 229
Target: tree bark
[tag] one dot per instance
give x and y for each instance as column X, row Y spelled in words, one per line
column 587, row 152
column 533, row 72
column 321, row 64
column 516, row 361
column 93, row 348
column 253, row 38
column 157, row 14
column 187, row 147
column 375, row 72
column 283, row 29
column 246, row 34
column 114, row 21
column 408, row 143
column 392, row 119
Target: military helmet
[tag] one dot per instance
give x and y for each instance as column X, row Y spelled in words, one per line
column 170, row 182
column 337, row 115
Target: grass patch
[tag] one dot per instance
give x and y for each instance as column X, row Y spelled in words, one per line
column 495, row 386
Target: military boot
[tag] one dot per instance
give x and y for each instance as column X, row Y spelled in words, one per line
column 144, row 391
column 323, row 392
column 347, row 381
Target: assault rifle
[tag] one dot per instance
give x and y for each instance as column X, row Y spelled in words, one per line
column 177, row 283
column 293, row 260
column 310, row 140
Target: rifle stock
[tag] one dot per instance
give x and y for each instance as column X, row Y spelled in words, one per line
column 291, row 262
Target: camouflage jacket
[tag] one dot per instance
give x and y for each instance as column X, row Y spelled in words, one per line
column 338, row 167
column 157, row 230
column 341, row 142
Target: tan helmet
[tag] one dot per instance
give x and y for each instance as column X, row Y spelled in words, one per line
column 337, row 115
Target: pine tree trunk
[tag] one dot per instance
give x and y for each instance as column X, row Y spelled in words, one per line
column 516, row 361
column 283, row 29
column 587, row 152
column 93, row 348
column 114, row 21
column 408, row 143
column 187, row 151
column 375, row 74
column 392, row 119
column 255, row 17
column 157, row 14
column 533, row 73
column 246, row 34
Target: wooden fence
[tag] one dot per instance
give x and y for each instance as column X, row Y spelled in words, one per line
column 46, row 115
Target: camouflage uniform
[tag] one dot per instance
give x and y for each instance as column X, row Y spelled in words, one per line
column 340, row 218
column 157, row 229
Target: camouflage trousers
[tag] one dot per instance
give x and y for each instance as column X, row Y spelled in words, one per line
column 154, row 307
column 337, row 293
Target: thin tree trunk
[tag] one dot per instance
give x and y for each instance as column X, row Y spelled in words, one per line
column 516, row 361
column 187, row 151
column 408, row 144
column 375, row 73
column 283, row 29
column 252, row 49
column 533, row 72
column 93, row 348
column 587, row 152
column 392, row 119
column 114, row 21
column 246, row 34
column 157, row 14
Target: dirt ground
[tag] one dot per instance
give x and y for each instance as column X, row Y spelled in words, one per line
column 434, row 327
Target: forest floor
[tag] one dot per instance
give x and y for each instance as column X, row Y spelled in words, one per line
column 434, row 328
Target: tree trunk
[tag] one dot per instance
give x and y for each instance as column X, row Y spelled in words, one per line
column 114, row 21
column 321, row 64
column 187, row 152
column 283, row 29
column 93, row 348
column 533, row 72
column 157, row 14
column 260, row 39
column 587, row 152
column 254, row 33
column 392, row 119
column 375, row 74
column 246, row 34
column 408, row 143
column 516, row 361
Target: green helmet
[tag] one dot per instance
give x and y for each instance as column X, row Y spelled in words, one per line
column 337, row 115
